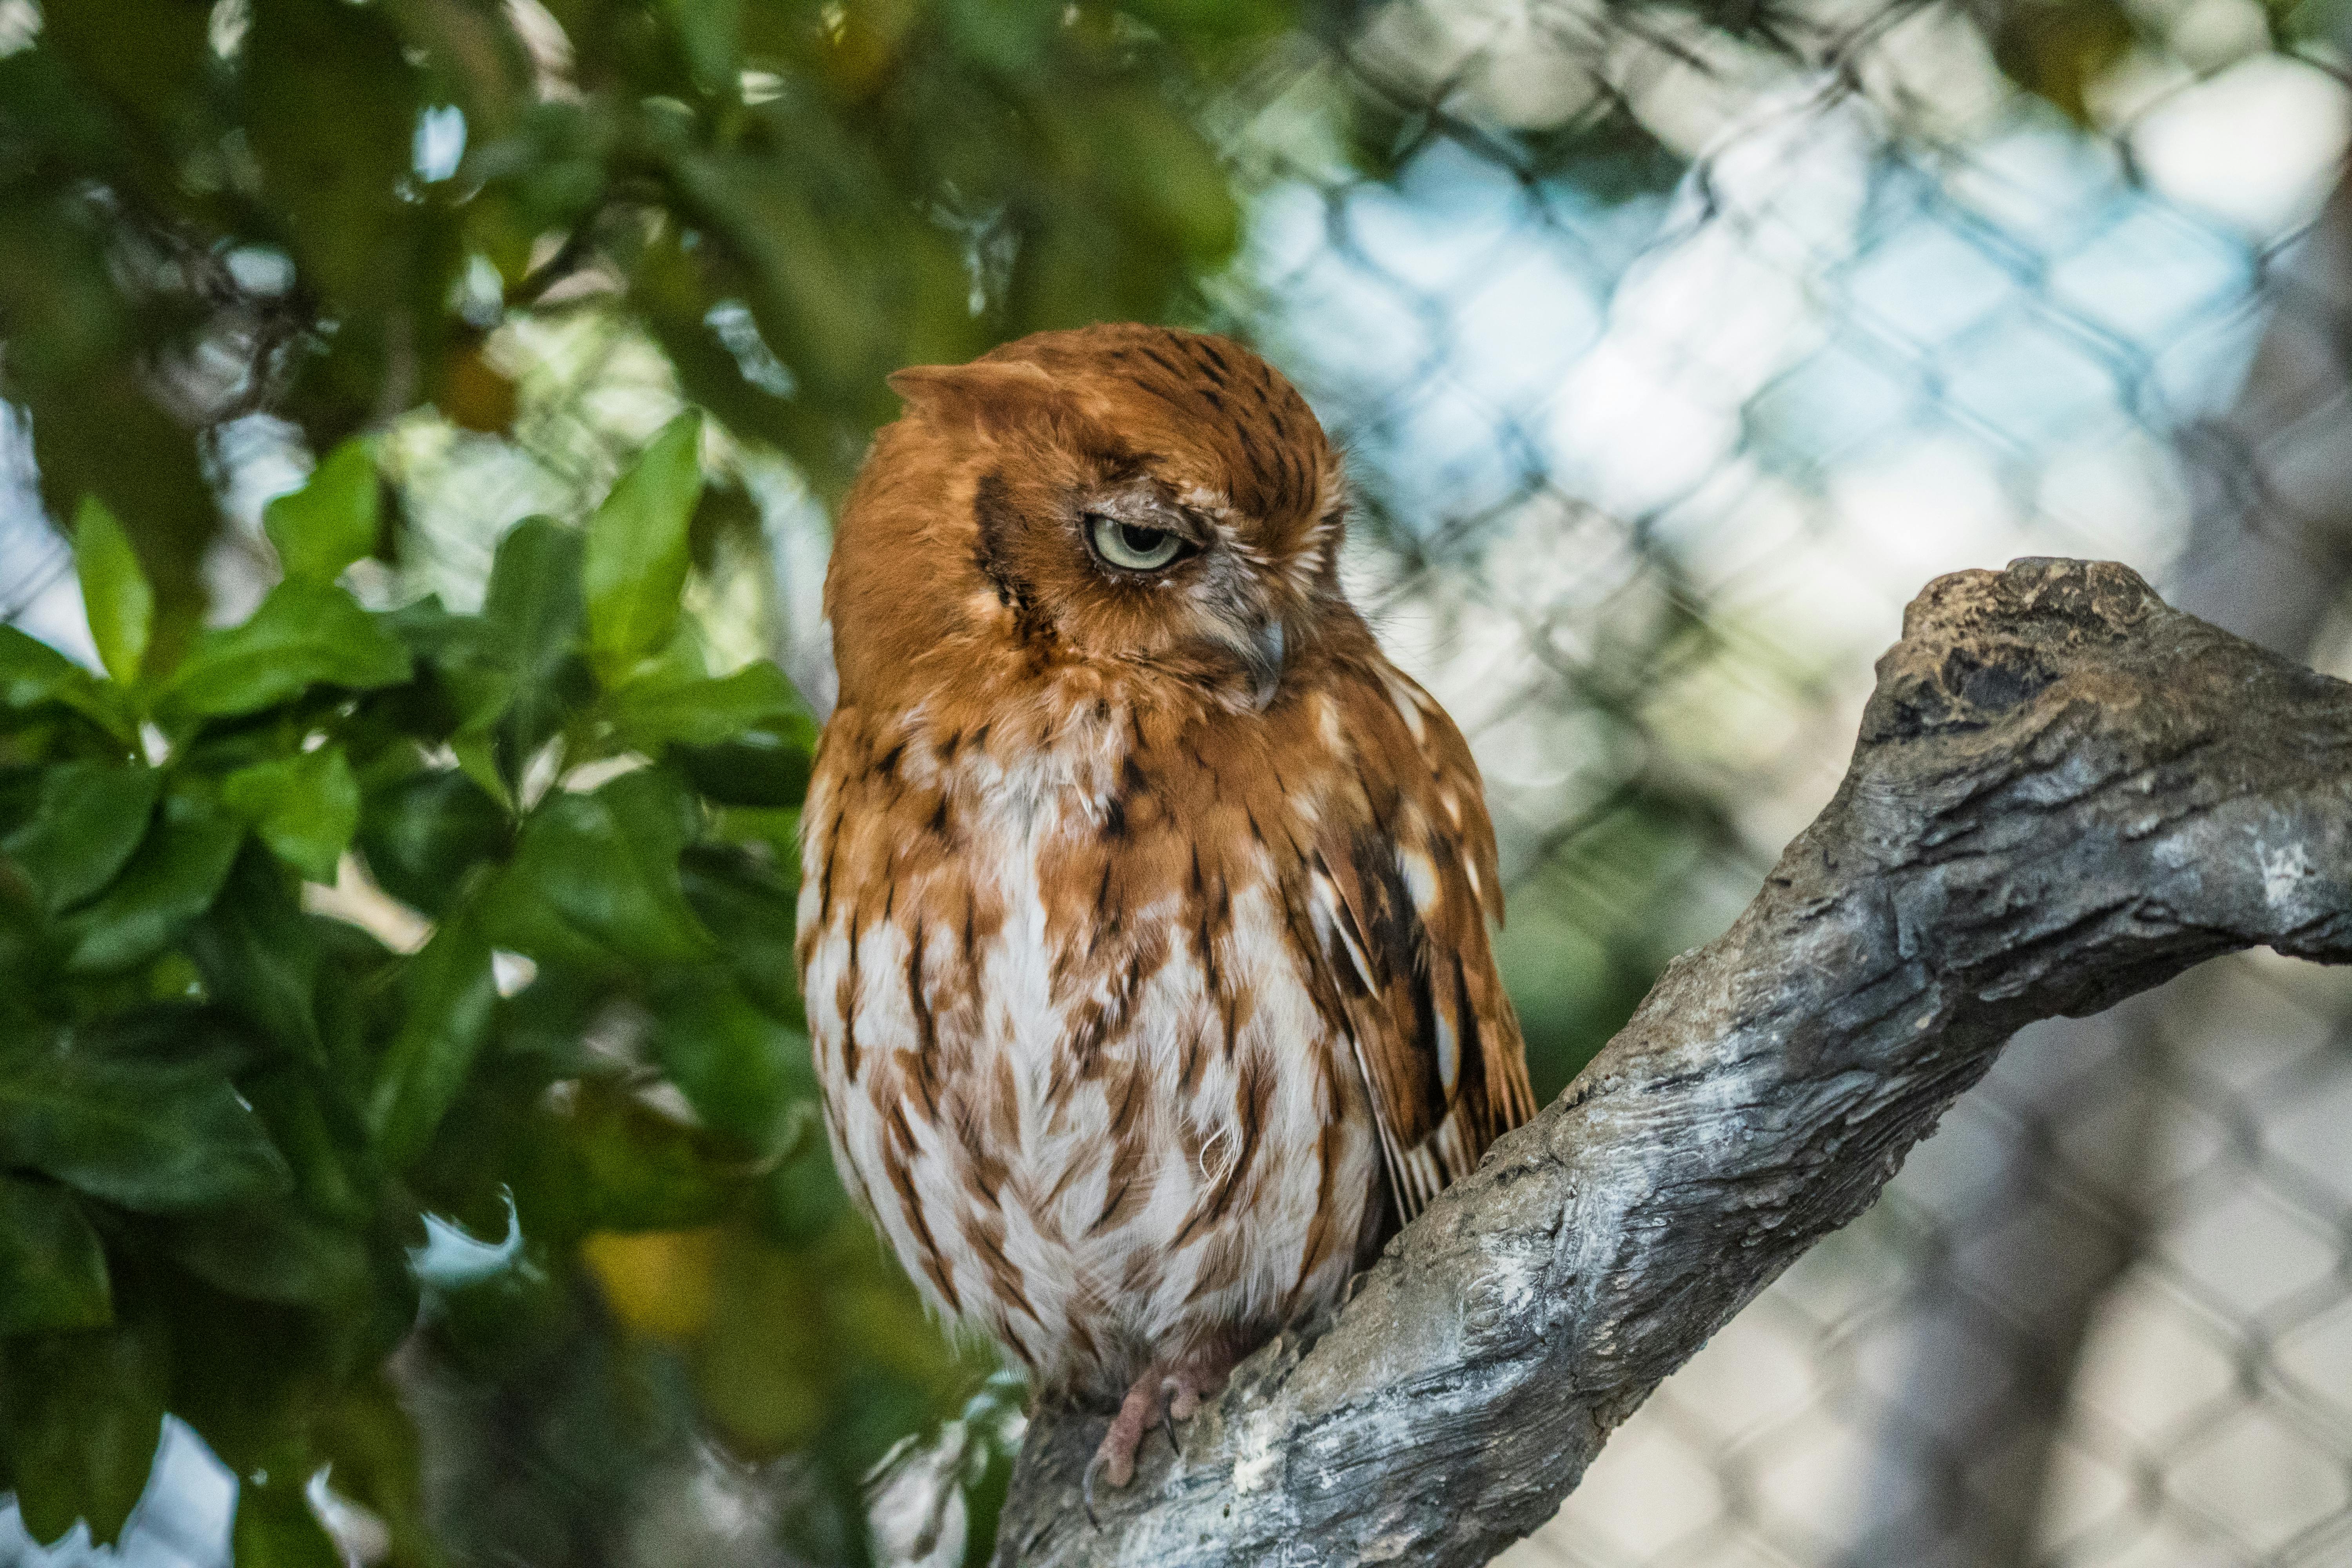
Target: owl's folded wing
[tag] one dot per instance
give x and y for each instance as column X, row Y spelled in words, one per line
column 1402, row 881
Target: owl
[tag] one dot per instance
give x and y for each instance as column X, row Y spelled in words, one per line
column 1143, row 930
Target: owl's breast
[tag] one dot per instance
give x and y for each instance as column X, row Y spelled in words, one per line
column 1076, row 1062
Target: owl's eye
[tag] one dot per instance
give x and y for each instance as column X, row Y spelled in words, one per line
column 1131, row 546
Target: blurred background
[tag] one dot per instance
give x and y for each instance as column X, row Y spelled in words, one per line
column 1674, row 348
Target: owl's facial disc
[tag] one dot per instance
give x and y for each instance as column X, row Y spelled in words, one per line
column 1195, row 593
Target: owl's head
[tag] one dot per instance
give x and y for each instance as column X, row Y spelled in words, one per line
column 1124, row 500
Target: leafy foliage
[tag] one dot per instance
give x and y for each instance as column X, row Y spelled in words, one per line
column 795, row 199
column 225, row 1113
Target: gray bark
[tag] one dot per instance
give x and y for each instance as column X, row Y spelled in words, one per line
column 2064, row 792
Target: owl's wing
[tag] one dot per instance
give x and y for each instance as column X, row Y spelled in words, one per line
column 1402, row 881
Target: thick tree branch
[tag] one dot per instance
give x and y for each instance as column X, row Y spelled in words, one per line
column 2064, row 792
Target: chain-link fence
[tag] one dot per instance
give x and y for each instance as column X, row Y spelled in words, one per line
column 1655, row 455
column 1669, row 369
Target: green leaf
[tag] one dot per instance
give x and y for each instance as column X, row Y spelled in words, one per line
column 33, row 675
column 303, row 634
column 305, row 807
column 708, row 35
column 635, row 567
column 602, row 867
column 31, row 671
column 806, row 1200
column 92, row 817
column 450, row 999
column 79, row 1426
column 115, row 593
column 275, row 1527
column 647, row 717
column 741, row 1069
column 423, row 834
column 533, row 598
column 735, row 894
column 258, row 954
column 477, row 759
column 273, row 1251
column 534, row 610
column 169, row 880
column 144, row 1134
column 763, row 768
column 52, row 1270
column 331, row 521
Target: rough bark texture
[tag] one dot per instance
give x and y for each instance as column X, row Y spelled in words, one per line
column 1963, row 1450
column 2064, row 792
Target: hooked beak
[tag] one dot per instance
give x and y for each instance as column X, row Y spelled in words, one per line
column 1261, row 654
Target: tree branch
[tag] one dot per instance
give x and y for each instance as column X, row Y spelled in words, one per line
column 2064, row 792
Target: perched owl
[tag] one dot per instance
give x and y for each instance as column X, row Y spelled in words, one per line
column 1143, row 932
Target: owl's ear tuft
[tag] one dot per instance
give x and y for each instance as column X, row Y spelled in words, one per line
column 991, row 394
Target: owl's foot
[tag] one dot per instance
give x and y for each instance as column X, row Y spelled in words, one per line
column 1168, row 1391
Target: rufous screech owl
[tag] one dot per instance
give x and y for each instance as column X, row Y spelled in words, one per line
column 1143, row 928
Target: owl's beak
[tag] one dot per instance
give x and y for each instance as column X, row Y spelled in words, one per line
column 1263, row 655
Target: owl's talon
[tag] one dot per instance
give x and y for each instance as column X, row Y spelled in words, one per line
column 1114, row 1461
column 1087, row 1488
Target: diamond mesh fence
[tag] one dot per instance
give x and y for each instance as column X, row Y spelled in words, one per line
column 1651, row 465
column 1669, row 369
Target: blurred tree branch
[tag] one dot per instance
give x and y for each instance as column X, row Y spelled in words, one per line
column 2064, row 792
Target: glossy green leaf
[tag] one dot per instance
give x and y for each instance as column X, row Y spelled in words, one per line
column 305, row 807
column 450, row 998
column 634, row 566
column 602, row 867
column 766, row 768
column 647, row 715
column 115, row 593
column 80, row 338
column 90, row 818
column 423, row 834
column 331, row 521
column 536, row 615
column 303, row 634
column 535, row 591
column 80, row 1423
column 169, row 880
column 145, row 1134
column 52, row 1269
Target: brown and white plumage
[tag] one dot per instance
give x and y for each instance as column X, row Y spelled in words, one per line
column 1143, row 930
